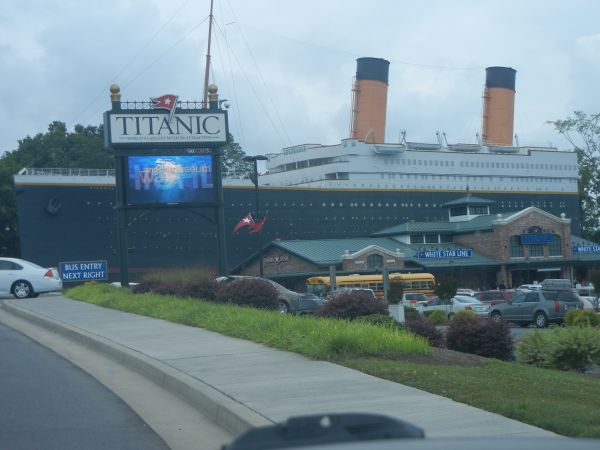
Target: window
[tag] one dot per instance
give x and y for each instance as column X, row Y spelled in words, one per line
column 555, row 247
column 516, row 249
column 416, row 239
column 536, row 250
column 431, row 238
column 458, row 211
column 9, row 265
column 532, row 297
column 445, row 238
column 375, row 261
column 478, row 210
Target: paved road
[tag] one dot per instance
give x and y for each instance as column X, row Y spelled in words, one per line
column 48, row 403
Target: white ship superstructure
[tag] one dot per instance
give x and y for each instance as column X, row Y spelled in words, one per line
column 424, row 167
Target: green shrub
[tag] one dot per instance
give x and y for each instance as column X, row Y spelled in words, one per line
column 410, row 313
column 465, row 313
column 350, row 305
column 481, row 337
column 575, row 348
column 437, row 317
column 572, row 348
column 248, row 292
column 382, row 320
column 533, row 349
column 582, row 318
column 422, row 326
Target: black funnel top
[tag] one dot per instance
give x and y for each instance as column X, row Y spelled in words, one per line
column 502, row 77
column 376, row 69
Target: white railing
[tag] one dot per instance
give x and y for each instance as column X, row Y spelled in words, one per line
column 67, row 172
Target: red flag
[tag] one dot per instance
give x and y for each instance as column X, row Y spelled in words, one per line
column 257, row 227
column 247, row 221
column 168, row 102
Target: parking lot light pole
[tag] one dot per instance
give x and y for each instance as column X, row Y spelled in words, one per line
column 254, row 159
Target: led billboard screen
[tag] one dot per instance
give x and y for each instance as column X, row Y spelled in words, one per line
column 164, row 180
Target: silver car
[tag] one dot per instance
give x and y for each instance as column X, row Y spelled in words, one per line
column 538, row 307
column 458, row 303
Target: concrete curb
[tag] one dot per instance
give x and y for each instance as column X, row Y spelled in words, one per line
column 225, row 411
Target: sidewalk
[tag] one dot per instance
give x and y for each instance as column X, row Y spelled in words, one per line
column 241, row 384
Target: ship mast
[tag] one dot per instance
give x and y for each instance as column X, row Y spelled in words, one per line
column 207, row 70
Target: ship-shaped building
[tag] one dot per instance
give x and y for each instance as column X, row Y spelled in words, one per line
column 351, row 189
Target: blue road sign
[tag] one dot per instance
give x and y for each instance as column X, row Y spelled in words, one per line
column 83, row 270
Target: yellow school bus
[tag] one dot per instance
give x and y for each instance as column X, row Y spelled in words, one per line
column 413, row 282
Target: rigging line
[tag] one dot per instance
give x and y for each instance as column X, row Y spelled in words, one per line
column 260, row 102
column 162, row 55
column 231, row 89
column 355, row 55
column 259, row 73
column 138, row 53
column 265, row 85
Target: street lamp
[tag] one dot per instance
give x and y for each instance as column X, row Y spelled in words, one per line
column 255, row 160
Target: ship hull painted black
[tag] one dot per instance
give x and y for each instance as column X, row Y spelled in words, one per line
column 70, row 223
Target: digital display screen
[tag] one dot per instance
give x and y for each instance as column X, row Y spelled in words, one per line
column 170, row 180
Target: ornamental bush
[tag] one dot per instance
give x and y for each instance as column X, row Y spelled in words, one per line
column 465, row 313
column 483, row 337
column 437, row 317
column 252, row 292
column 203, row 289
column 350, row 305
column 410, row 313
column 145, row 286
column 582, row 318
column 571, row 348
column 422, row 326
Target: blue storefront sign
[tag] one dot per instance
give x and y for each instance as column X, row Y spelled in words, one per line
column 536, row 238
column 83, row 270
column 586, row 249
column 444, row 253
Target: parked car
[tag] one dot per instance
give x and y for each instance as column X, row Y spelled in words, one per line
column 589, row 294
column 494, row 297
column 458, row 303
column 414, row 298
column 557, row 283
column 25, row 279
column 366, row 291
column 529, row 287
column 469, row 292
column 288, row 301
column 538, row 307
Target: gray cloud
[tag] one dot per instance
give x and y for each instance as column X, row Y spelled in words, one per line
column 59, row 57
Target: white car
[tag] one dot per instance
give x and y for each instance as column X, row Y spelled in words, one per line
column 459, row 303
column 25, row 279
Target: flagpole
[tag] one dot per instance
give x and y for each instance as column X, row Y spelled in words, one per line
column 207, row 66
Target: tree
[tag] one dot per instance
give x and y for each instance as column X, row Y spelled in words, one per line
column 583, row 133
column 232, row 160
column 446, row 289
column 396, row 292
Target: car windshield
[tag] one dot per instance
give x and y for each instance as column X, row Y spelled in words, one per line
column 466, row 299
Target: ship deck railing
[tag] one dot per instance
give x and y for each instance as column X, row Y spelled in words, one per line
column 67, row 172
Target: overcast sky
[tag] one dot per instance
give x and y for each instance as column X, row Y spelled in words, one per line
column 287, row 66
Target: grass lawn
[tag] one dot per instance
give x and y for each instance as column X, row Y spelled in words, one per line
column 566, row 403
